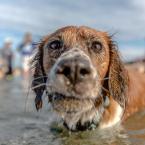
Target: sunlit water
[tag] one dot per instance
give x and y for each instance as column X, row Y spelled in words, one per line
column 21, row 124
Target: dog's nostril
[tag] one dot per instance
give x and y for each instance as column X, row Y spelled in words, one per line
column 66, row 71
column 84, row 72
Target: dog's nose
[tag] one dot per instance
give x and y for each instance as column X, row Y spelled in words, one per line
column 75, row 70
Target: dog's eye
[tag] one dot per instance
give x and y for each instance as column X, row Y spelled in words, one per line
column 96, row 46
column 56, row 44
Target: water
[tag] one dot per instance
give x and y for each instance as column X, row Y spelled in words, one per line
column 21, row 124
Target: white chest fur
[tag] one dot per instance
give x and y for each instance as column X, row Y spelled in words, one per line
column 116, row 119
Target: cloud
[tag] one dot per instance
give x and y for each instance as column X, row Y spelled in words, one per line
column 126, row 18
column 46, row 15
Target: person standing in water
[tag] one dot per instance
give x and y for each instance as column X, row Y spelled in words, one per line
column 25, row 49
column 7, row 57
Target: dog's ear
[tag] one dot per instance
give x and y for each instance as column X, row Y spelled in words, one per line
column 118, row 77
column 38, row 74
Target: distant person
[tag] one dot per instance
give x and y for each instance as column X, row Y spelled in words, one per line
column 7, row 57
column 25, row 49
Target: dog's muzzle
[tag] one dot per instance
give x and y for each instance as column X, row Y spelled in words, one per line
column 72, row 74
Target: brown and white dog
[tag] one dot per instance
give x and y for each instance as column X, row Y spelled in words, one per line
column 85, row 79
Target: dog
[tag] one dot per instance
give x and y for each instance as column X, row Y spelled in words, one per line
column 86, row 82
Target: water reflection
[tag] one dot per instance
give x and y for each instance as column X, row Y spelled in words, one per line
column 113, row 136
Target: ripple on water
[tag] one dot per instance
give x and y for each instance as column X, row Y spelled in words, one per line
column 27, row 127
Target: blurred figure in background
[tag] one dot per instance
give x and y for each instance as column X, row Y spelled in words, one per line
column 7, row 58
column 25, row 49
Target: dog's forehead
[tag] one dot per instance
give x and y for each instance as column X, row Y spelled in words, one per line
column 84, row 32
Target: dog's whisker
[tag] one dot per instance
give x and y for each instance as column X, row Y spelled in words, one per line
column 106, row 90
column 39, row 78
column 37, row 81
column 107, row 78
column 43, row 84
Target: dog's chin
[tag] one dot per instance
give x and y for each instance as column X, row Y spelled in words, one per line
column 74, row 110
column 70, row 104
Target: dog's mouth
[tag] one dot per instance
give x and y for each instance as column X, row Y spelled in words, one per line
column 70, row 104
column 59, row 96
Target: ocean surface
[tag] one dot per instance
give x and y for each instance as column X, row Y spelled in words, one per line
column 21, row 124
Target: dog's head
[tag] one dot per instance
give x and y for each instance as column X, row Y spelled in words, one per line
column 79, row 67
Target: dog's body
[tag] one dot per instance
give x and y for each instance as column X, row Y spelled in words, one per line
column 86, row 82
column 136, row 92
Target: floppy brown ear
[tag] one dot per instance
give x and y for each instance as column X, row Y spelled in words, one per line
column 39, row 76
column 118, row 78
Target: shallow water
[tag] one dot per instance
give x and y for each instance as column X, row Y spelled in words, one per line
column 21, row 124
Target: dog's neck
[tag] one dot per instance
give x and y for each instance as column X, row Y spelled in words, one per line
column 104, row 116
column 112, row 115
column 84, row 121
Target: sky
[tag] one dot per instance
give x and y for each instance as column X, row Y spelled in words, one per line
column 123, row 18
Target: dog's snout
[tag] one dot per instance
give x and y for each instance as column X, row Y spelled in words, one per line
column 74, row 69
